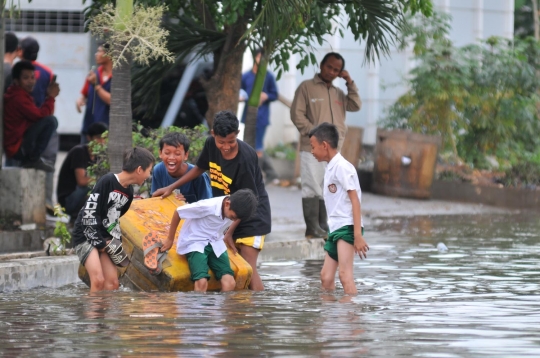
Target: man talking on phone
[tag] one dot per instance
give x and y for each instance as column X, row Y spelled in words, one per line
column 316, row 101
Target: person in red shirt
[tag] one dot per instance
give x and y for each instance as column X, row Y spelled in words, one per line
column 28, row 128
column 96, row 92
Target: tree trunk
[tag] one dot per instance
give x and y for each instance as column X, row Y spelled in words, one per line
column 535, row 20
column 223, row 88
column 120, row 126
column 250, row 130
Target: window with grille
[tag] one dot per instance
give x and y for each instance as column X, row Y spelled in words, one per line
column 46, row 21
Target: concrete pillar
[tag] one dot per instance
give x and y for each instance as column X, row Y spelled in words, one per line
column 23, row 195
column 478, row 8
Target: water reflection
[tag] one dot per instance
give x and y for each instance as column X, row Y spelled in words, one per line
column 478, row 298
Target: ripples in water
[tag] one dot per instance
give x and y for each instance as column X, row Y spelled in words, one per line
column 479, row 298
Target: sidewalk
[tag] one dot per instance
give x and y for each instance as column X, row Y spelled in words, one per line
column 287, row 241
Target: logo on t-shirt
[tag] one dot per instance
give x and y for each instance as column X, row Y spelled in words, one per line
column 218, row 179
column 332, row 188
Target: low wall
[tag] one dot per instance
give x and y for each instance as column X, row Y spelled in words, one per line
column 21, row 241
column 45, row 271
column 494, row 196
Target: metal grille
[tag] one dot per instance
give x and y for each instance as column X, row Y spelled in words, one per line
column 47, row 21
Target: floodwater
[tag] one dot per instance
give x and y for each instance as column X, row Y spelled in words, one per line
column 480, row 297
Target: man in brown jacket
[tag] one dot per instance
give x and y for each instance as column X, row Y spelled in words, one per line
column 317, row 101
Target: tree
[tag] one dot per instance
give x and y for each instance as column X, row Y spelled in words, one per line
column 133, row 35
column 226, row 28
column 481, row 98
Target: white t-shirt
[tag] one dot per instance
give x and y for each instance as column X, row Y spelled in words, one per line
column 203, row 225
column 339, row 177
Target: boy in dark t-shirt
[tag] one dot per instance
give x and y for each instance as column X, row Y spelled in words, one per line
column 233, row 165
column 73, row 183
column 96, row 235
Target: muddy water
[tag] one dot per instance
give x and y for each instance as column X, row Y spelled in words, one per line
column 480, row 297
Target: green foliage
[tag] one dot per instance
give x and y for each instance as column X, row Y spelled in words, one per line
column 283, row 27
column 525, row 172
column 481, row 98
column 283, row 151
column 149, row 139
column 138, row 32
column 60, row 229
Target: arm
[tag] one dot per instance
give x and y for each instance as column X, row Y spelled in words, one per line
column 299, row 111
column 229, row 241
column 189, row 176
column 360, row 245
column 352, row 99
column 103, row 94
column 80, row 176
column 92, row 221
column 28, row 110
column 167, row 244
column 203, row 190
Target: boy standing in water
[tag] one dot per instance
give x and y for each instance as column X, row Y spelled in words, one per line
column 233, row 165
column 201, row 237
column 96, row 233
column 342, row 197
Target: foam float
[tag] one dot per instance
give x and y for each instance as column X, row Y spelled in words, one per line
column 154, row 215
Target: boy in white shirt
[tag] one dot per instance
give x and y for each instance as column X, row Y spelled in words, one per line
column 201, row 236
column 342, row 196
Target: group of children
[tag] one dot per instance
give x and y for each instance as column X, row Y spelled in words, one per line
column 235, row 214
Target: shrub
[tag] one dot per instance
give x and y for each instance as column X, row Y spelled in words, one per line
column 149, row 139
column 283, row 151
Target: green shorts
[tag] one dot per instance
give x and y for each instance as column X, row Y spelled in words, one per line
column 345, row 233
column 200, row 263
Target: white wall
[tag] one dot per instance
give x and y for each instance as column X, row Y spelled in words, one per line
column 471, row 20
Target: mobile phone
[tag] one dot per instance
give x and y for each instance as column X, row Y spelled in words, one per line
column 54, row 78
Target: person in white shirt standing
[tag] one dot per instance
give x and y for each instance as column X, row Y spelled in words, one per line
column 201, row 236
column 342, row 197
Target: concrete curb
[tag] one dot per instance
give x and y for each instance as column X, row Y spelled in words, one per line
column 303, row 249
column 45, row 271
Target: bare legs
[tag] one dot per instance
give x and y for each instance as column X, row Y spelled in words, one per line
column 345, row 265
column 102, row 272
column 250, row 254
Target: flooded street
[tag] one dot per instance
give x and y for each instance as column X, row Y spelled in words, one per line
column 475, row 295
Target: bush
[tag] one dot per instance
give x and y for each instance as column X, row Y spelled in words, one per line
column 525, row 172
column 149, row 139
column 283, row 151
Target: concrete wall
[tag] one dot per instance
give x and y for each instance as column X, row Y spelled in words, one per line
column 23, row 195
column 472, row 20
column 47, row 271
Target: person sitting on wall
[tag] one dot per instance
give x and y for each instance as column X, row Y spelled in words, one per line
column 73, row 182
column 28, row 128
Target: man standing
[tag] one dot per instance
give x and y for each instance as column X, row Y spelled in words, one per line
column 269, row 94
column 317, row 101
